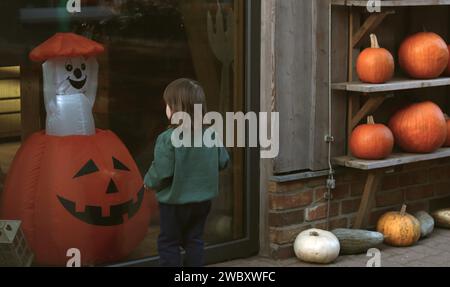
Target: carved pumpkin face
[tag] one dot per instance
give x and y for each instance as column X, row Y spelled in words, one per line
column 95, row 214
column 80, row 192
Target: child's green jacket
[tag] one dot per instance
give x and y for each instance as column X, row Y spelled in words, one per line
column 181, row 175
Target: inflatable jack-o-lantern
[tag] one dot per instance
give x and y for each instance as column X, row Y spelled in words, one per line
column 74, row 186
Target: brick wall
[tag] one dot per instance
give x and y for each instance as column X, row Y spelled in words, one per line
column 293, row 207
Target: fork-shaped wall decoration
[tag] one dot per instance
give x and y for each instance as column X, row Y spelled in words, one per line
column 221, row 41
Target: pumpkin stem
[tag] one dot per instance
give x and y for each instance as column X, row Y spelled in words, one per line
column 314, row 233
column 374, row 41
column 403, row 210
column 370, row 120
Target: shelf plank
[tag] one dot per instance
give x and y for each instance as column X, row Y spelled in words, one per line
column 391, row 3
column 397, row 84
column 393, row 160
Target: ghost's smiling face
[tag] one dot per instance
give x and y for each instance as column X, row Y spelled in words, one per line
column 77, row 76
column 73, row 75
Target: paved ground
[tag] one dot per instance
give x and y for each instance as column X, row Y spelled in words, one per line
column 429, row 252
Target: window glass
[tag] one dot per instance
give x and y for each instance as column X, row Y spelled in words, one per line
column 148, row 44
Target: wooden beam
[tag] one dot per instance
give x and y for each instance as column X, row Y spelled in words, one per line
column 371, row 23
column 353, row 100
column 368, row 198
column 396, row 84
column 353, row 105
column 351, row 23
column 394, row 159
column 391, row 3
column 32, row 118
column 369, row 107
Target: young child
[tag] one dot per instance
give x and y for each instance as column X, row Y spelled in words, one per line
column 185, row 179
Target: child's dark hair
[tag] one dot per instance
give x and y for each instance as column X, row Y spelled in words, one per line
column 181, row 95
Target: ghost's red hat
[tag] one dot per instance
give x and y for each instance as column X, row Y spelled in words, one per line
column 65, row 45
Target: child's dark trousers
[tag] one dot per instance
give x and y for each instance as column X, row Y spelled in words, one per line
column 182, row 226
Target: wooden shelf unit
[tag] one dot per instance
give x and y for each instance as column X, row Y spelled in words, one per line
column 397, row 84
column 375, row 95
column 391, row 3
column 394, row 159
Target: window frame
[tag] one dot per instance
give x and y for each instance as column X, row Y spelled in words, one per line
column 249, row 244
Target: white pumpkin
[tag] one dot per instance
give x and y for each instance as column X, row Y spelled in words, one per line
column 316, row 246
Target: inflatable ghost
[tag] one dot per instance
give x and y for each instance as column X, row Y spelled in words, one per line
column 70, row 83
column 74, row 186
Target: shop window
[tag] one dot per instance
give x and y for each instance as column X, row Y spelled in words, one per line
column 148, row 44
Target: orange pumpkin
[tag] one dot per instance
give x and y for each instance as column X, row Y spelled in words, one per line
column 447, row 140
column 375, row 65
column 82, row 192
column 419, row 127
column 399, row 228
column 423, row 55
column 371, row 141
column 447, row 70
